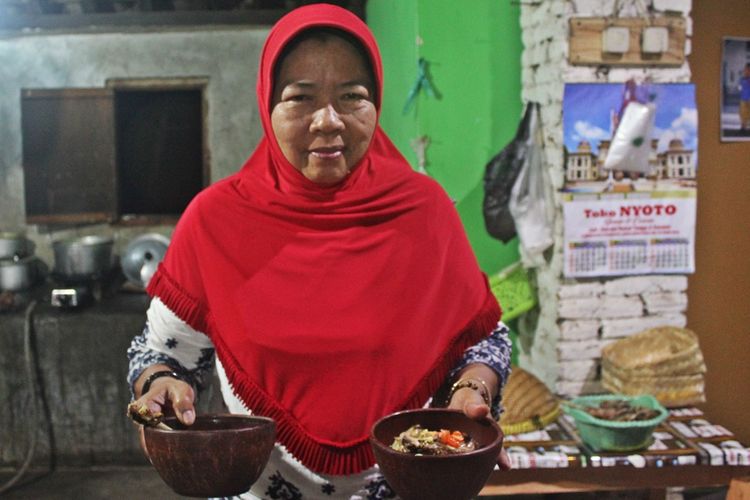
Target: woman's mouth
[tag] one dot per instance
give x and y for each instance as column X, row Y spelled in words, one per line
column 331, row 153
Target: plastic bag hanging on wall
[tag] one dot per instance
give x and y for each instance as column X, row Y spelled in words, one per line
column 631, row 143
column 499, row 176
column 531, row 202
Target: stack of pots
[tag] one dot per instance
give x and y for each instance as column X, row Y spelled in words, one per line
column 19, row 268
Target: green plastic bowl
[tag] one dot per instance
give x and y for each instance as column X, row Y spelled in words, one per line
column 607, row 435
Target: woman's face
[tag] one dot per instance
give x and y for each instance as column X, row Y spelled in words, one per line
column 323, row 112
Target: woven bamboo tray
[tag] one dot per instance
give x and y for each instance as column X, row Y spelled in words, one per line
column 684, row 366
column 662, row 350
column 529, row 404
column 672, row 391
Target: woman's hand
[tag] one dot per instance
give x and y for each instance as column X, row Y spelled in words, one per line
column 472, row 403
column 170, row 396
column 167, row 395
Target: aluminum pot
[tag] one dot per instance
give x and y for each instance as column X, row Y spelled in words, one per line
column 142, row 256
column 14, row 245
column 18, row 274
column 83, row 257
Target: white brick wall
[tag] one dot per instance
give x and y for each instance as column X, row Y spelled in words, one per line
column 579, row 371
column 681, row 6
column 665, row 302
column 580, row 329
column 576, row 319
column 621, row 306
column 624, row 327
column 636, row 285
column 605, row 306
column 569, row 388
column 579, row 308
column 578, row 290
column 578, row 350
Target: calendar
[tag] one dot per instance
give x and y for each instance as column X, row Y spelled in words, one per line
column 587, row 256
column 628, row 255
column 607, row 236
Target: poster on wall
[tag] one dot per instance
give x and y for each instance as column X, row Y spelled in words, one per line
column 629, row 196
column 735, row 89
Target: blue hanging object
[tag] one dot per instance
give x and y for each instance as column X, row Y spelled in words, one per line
column 422, row 83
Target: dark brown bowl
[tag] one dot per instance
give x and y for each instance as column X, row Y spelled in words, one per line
column 448, row 477
column 217, row 456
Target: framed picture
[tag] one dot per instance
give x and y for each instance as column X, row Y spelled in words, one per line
column 735, row 89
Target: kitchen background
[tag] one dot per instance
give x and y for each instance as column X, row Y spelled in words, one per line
column 484, row 57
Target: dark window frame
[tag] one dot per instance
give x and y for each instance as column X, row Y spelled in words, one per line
column 40, row 173
column 166, row 85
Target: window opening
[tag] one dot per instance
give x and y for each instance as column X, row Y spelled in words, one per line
column 159, row 137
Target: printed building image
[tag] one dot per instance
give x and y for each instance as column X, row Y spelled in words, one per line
column 676, row 162
column 582, row 165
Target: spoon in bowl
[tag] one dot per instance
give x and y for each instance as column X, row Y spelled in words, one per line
column 142, row 415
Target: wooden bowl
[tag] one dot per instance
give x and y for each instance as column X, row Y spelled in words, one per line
column 217, row 456
column 447, row 477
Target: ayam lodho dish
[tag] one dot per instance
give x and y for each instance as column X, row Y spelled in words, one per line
column 420, row 441
column 620, row 410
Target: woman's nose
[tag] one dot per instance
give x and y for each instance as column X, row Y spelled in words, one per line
column 326, row 120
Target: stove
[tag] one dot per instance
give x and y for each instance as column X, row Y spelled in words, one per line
column 70, row 292
column 71, row 297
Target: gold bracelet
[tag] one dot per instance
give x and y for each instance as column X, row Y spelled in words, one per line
column 476, row 384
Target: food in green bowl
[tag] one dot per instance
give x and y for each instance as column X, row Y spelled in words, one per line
column 616, row 422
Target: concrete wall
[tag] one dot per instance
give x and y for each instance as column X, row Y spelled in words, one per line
column 227, row 57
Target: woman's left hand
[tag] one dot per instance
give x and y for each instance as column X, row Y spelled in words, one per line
column 472, row 404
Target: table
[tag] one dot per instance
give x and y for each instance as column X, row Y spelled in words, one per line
column 687, row 451
column 542, row 481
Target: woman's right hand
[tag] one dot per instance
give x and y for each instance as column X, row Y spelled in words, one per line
column 167, row 395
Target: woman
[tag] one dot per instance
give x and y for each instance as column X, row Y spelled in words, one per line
column 334, row 284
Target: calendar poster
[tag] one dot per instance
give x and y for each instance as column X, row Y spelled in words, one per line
column 629, row 222
column 629, row 235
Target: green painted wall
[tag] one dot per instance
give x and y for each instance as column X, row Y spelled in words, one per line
column 473, row 50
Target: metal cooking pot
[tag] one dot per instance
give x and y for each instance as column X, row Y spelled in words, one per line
column 83, row 257
column 142, row 256
column 18, row 274
column 14, row 245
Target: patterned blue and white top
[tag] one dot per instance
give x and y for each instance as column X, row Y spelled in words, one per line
column 166, row 339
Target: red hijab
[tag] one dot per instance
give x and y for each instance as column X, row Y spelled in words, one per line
column 329, row 307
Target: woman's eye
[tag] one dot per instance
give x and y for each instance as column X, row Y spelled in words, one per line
column 354, row 96
column 297, row 98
